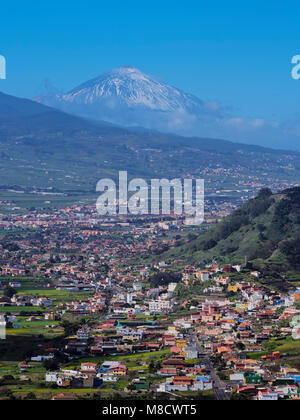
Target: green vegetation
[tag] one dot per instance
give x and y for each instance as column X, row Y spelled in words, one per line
column 288, row 348
column 64, row 156
column 265, row 230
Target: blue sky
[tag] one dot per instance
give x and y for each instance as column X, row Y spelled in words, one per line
column 235, row 52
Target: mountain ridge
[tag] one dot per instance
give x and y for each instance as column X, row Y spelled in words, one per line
column 53, row 149
column 132, row 86
column 128, row 97
column 264, row 231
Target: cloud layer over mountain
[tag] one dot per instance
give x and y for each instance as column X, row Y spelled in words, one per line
column 128, row 97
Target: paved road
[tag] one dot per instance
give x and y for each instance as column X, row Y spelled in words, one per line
column 217, row 385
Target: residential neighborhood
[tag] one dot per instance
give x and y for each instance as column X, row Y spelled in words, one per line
column 88, row 316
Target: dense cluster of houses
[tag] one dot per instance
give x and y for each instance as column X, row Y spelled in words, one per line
column 232, row 316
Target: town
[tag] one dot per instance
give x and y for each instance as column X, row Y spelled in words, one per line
column 92, row 312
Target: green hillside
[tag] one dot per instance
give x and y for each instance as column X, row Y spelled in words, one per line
column 264, row 230
column 41, row 147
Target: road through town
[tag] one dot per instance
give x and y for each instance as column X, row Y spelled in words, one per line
column 217, row 385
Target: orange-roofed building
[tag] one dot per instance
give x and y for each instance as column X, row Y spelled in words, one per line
column 182, row 380
column 224, row 349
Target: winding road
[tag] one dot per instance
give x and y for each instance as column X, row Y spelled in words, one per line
column 217, row 385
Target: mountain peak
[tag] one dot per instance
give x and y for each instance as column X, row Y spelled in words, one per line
column 126, row 96
column 128, row 69
column 125, row 89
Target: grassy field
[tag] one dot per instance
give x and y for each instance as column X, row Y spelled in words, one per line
column 29, row 309
column 36, row 328
column 288, row 345
column 35, row 376
column 209, row 394
column 58, row 296
column 26, row 282
column 50, row 202
column 131, row 360
column 288, row 348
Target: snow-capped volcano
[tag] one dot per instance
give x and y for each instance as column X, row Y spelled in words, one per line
column 128, row 97
column 133, row 88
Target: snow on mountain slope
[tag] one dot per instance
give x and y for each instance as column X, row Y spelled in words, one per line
column 129, row 97
column 133, row 88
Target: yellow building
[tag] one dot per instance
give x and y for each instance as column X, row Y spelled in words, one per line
column 181, row 343
column 233, row 288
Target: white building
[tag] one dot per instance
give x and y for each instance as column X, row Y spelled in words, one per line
column 172, row 287
column 162, row 264
column 107, row 377
column 130, row 332
column 42, row 358
column 204, row 275
column 267, row 396
column 83, row 334
column 197, row 386
column 41, row 302
column 160, row 306
column 192, row 352
column 130, row 298
column 15, row 284
column 237, row 377
column 137, row 287
column 51, row 377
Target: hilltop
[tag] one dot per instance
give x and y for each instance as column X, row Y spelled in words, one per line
column 265, row 230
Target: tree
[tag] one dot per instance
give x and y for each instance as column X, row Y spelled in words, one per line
column 12, row 247
column 238, row 397
column 70, row 328
column 240, row 346
column 6, row 393
column 152, row 367
column 158, row 365
column 30, row 396
column 9, row 292
column 50, row 364
column 265, row 193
